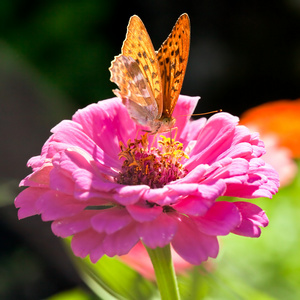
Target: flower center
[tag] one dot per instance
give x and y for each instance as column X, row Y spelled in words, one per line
column 155, row 167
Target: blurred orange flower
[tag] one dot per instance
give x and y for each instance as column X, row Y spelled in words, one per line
column 281, row 118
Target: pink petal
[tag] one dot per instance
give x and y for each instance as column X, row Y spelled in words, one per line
column 193, row 245
column 191, row 131
column 39, row 178
column 143, row 212
column 127, row 195
column 183, row 111
column 69, row 133
column 159, row 232
column 193, row 205
column 85, row 242
column 59, row 181
column 110, row 220
column 215, row 138
column 172, row 192
column 120, row 242
column 230, row 170
column 194, row 175
column 262, row 181
column 220, row 219
column 69, row 226
column 197, row 203
column 108, row 120
column 252, row 217
column 165, row 195
column 26, row 202
column 55, row 205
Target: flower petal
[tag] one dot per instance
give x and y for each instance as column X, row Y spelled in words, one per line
column 110, row 220
column 183, row 111
column 262, row 181
column 69, row 132
column 127, row 195
column 26, row 202
column 96, row 119
column 159, row 232
column 54, row 205
column 120, row 242
column 252, row 217
column 197, row 203
column 215, row 138
column 220, row 219
column 72, row 225
column 193, row 245
column 85, row 242
column 39, row 178
column 143, row 212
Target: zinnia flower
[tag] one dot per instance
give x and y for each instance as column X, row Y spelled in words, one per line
column 108, row 190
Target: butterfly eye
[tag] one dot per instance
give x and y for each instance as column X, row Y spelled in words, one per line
column 165, row 121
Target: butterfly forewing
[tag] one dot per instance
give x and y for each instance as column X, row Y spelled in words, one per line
column 173, row 57
column 138, row 45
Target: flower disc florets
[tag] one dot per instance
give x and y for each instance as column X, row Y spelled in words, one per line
column 154, row 167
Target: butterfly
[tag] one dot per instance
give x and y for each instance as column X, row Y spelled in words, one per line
column 150, row 82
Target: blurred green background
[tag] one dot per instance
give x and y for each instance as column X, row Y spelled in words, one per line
column 54, row 59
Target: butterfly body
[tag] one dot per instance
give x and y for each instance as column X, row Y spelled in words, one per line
column 150, row 82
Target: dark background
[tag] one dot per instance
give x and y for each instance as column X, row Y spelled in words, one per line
column 54, row 59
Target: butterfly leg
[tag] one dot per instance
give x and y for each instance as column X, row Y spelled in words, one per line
column 176, row 130
column 137, row 134
column 154, row 138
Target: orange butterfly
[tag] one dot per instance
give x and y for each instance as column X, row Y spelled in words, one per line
column 150, row 82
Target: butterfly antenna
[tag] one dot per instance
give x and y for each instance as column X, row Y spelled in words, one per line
column 202, row 114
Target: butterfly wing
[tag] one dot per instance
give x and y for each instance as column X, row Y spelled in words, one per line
column 173, row 57
column 134, row 90
column 138, row 45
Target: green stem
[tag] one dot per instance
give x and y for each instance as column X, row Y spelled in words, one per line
column 164, row 271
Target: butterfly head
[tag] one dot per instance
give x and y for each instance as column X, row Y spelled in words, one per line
column 167, row 122
column 164, row 124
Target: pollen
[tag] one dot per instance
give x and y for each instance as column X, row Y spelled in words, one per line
column 155, row 167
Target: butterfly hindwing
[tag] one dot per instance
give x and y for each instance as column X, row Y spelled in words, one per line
column 134, row 90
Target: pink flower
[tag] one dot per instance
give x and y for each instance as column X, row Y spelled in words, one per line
column 109, row 193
